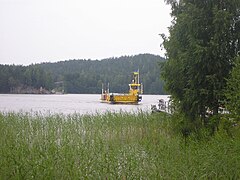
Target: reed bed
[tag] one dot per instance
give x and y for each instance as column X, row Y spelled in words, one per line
column 110, row 146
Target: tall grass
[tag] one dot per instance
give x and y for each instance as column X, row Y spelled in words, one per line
column 110, row 146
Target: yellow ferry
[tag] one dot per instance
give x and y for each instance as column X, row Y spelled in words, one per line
column 132, row 97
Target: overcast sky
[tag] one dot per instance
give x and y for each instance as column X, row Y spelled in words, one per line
column 34, row 31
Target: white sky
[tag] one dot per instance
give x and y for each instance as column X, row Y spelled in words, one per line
column 34, row 31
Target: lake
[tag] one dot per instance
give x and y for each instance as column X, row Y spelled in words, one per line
column 70, row 103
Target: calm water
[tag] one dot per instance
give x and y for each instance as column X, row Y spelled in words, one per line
column 69, row 104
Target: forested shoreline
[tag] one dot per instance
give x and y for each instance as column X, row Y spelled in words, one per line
column 82, row 76
column 24, row 79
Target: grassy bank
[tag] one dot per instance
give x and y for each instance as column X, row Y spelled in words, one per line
column 110, row 146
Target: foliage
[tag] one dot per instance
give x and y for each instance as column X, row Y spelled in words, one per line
column 203, row 43
column 13, row 77
column 232, row 92
column 110, row 146
column 85, row 76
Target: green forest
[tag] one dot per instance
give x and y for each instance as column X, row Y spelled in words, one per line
column 83, row 76
column 14, row 79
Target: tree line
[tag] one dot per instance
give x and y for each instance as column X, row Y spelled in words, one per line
column 16, row 79
column 86, row 76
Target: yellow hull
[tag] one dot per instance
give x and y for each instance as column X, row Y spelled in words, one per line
column 121, row 99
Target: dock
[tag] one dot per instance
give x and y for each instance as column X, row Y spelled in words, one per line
column 162, row 106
